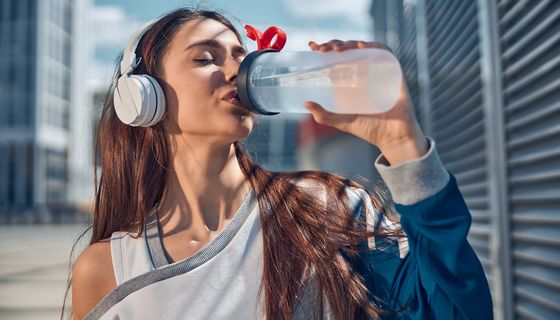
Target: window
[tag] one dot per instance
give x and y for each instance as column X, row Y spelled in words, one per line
column 32, row 9
column 14, row 10
column 29, row 183
column 11, row 172
column 56, row 165
column 68, row 16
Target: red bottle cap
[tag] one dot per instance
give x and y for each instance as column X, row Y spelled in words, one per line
column 263, row 39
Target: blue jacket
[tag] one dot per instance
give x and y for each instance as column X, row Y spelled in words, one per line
column 437, row 275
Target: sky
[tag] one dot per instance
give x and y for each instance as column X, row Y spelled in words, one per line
column 320, row 20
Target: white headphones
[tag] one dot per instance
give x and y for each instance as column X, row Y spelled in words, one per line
column 138, row 98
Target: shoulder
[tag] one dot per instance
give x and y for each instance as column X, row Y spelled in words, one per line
column 92, row 277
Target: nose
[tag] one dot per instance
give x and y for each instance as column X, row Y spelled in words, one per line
column 232, row 68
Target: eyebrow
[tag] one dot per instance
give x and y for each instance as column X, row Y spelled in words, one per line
column 215, row 44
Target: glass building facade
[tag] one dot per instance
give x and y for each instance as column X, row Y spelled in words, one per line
column 37, row 99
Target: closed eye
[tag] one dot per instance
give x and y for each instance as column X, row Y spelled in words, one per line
column 203, row 61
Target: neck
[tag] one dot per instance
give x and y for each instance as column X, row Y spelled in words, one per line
column 205, row 187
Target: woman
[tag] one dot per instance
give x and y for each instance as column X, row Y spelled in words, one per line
column 186, row 226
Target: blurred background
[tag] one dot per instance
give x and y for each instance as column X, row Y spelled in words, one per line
column 484, row 76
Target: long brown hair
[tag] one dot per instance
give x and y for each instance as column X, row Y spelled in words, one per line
column 301, row 234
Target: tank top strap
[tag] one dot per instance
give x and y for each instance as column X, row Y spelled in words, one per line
column 154, row 241
column 130, row 255
column 117, row 256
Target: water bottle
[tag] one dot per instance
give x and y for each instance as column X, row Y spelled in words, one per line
column 356, row 81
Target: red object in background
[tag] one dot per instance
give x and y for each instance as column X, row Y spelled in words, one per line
column 310, row 131
column 263, row 39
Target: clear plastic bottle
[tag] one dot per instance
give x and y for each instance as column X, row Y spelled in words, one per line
column 357, row 81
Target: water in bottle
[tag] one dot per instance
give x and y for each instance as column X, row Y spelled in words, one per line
column 357, row 81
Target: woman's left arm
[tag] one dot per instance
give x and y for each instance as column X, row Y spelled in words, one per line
column 436, row 269
column 440, row 275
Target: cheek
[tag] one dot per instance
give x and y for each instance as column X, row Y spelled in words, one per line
column 199, row 110
column 194, row 97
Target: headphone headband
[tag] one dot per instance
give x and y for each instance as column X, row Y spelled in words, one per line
column 129, row 60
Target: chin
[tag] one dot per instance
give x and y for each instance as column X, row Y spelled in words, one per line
column 241, row 128
column 244, row 132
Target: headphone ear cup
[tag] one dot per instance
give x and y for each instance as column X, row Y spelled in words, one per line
column 123, row 100
column 159, row 101
column 139, row 100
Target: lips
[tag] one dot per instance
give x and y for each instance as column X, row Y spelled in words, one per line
column 233, row 98
column 231, row 94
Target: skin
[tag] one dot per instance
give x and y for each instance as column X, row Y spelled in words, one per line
column 206, row 185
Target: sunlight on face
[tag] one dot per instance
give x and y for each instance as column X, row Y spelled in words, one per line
column 199, row 71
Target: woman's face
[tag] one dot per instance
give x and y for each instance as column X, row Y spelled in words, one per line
column 199, row 75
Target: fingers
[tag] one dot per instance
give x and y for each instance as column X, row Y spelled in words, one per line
column 322, row 116
column 339, row 45
column 335, row 45
column 377, row 45
column 328, row 46
column 319, row 113
column 343, row 122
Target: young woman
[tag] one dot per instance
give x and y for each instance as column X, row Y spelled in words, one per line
column 187, row 227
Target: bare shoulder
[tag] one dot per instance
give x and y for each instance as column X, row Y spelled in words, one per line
column 92, row 277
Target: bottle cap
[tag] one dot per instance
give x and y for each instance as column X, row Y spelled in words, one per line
column 263, row 39
column 264, row 45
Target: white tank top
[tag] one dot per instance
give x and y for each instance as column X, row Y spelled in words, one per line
column 220, row 281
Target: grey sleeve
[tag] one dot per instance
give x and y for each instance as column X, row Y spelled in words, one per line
column 414, row 180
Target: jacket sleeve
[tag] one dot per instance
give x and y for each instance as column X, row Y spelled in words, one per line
column 432, row 273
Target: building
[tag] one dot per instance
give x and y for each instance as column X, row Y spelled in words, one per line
column 291, row 142
column 485, row 77
column 43, row 120
column 327, row 149
column 273, row 142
